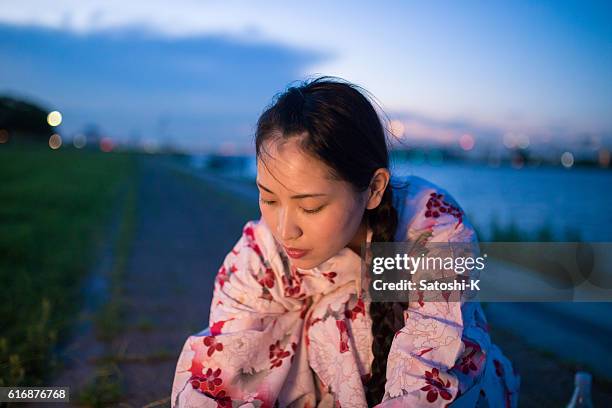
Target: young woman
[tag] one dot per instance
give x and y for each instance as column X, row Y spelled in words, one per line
column 290, row 325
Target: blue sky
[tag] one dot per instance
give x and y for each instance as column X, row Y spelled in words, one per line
column 198, row 73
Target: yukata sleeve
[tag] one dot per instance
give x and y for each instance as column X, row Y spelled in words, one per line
column 245, row 355
column 423, row 353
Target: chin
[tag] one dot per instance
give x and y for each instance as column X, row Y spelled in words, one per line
column 307, row 262
column 303, row 263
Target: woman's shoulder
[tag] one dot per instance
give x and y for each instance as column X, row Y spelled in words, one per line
column 412, row 187
column 424, row 206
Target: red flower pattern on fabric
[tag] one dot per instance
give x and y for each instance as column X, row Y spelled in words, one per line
column 436, row 386
column 355, row 311
column 212, row 344
column 223, row 400
column 293, row 350
column 292, row 286
column 499, row 369
column 467, row 362
column 421, row 298
column 436, row 206
column 508, row 398
column 250, row 234
column 215, row 329
column 209, row 382
column 268, row 279
column 309, row 323
column 296, row 273
column 341, row 325
column 330, row 276
column 277, row 354
column 222, row 276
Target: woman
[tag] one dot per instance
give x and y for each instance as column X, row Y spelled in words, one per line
column 290, row 325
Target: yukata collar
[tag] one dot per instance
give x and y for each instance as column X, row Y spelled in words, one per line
column 345, row 261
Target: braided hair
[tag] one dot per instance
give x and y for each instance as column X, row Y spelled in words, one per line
column 383, row 221
column 344, row 130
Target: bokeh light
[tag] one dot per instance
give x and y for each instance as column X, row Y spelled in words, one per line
column 79, row 141
column 604, row 157
column 522, row 141
column 106, row 144
column 397, row 129
column 466, row 142
column 54, row 118
column 55, row 141
column 150, row 146
column 567, row 160
column 518, row 162
column 513, row 140
column 509, row 140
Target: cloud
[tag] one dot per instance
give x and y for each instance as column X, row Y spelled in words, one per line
column 197, row 90
column 419, row 129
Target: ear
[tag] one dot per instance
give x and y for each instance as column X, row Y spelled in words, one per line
column 380, row 181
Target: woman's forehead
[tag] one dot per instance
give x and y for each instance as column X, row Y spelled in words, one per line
column 288, row 166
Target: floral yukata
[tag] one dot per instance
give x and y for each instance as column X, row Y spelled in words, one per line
column 289, row 337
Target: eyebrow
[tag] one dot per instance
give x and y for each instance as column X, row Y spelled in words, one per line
column 297, row 196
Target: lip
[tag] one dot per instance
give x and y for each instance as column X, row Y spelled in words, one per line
column 295, row 253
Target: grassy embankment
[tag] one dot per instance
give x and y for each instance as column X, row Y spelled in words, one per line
column 53, row 207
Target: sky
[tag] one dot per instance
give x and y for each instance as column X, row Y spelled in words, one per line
column 198, row 74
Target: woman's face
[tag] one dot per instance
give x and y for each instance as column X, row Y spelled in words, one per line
column 311, row 214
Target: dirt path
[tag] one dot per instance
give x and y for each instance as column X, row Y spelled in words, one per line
column 183, row 231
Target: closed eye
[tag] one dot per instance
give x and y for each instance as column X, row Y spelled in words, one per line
column 316, row 210
column 272, row 202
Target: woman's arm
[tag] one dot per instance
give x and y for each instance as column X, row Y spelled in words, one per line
column 246, row 354
column 424, row 351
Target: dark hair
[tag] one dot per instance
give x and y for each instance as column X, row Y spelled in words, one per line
column 343, row 129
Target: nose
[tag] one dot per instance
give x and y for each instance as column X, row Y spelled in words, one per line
column 288, row 229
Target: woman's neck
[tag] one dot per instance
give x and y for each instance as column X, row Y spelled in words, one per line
column 360, row 237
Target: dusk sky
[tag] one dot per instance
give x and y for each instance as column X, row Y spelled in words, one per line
column 196, row 73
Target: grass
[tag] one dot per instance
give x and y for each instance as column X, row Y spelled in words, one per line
column 54, row 204
column 511, row 232
column 105, row 390
column 535, row 250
